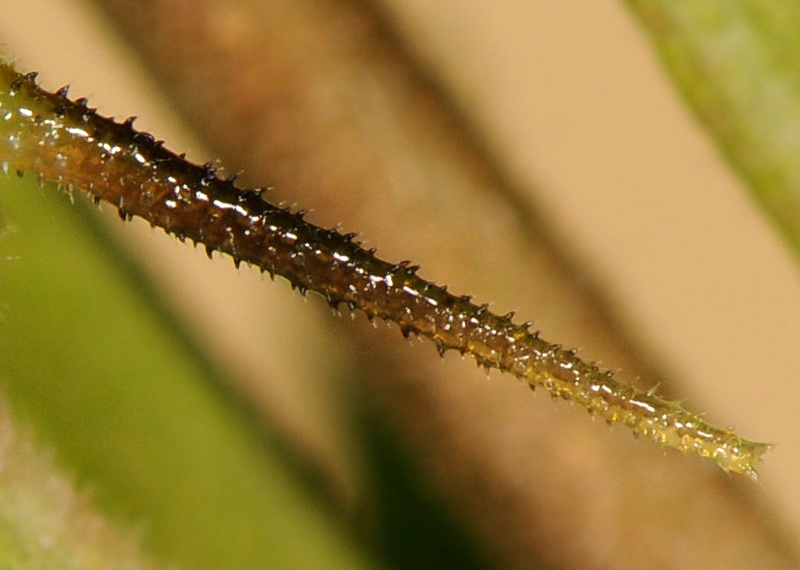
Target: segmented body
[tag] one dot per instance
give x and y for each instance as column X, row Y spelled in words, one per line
column 69, row 143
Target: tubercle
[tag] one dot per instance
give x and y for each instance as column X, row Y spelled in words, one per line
column 67, row 142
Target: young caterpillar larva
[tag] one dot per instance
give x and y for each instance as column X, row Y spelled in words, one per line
column 69, row 143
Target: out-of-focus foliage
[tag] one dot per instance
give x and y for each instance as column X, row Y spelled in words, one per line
column 736, row 65
column 88, row 360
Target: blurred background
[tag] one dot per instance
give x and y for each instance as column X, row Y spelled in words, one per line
column 571, row 104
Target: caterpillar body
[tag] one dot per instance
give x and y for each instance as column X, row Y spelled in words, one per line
column 67, row 142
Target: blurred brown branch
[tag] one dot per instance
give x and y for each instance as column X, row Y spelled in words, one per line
column 321, row 101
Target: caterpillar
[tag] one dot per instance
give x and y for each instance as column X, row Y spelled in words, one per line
column 67, row 142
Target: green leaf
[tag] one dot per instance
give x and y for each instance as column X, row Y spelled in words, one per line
column 44, row 522
column 736, row 65
column 86, row 358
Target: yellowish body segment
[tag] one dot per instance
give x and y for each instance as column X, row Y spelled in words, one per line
column 67, row 142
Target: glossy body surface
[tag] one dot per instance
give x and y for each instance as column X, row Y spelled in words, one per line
column 67, row 142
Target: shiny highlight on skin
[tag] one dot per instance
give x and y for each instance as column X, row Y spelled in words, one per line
column 67, row 142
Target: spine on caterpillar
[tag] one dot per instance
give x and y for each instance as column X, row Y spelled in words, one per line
column 67, row 142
